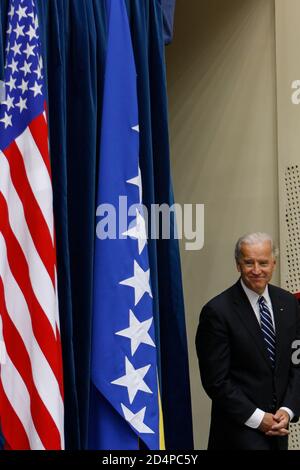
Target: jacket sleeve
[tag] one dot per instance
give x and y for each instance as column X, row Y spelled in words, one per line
column 213, row 350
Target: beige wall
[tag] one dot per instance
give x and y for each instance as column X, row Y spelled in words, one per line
column 288, row 71
column 222, row 101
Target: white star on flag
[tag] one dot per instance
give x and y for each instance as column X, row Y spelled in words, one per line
column 137, row 332
column 138, row 231
column 23, row 86
column 39, row 73
column 19, row 30
column 136, row 128
column 31, row 33
column 16, row 49
column 9, row 103
column 6, row 120
column 11, row 11
column 12, row 84
column 21, row 12
column 36, row 22
column 137, row 420
column 29, row 51
column 37, row 89
column 22, row 104
column 133, row 380
column 13, row 66
column 137, row 181
column 26, row 68
column 139, row 282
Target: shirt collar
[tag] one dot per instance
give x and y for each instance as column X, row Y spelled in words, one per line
column 253, row 296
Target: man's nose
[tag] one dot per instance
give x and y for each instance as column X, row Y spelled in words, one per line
column 256, row 268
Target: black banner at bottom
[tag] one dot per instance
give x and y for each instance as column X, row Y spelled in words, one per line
column 133, row 459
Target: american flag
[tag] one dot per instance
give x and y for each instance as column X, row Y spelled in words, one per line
column 31, row 384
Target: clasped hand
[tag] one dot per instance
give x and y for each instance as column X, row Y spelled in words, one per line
column 275, row 425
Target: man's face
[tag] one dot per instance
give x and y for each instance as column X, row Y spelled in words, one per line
column 256, row 265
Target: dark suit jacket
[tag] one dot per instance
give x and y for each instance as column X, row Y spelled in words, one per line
column 236, row 371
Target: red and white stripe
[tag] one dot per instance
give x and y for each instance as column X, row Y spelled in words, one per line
column 31, row 384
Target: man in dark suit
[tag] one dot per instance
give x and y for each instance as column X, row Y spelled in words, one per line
column 248, row 366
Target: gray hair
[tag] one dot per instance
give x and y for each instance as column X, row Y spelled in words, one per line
column 251, row 239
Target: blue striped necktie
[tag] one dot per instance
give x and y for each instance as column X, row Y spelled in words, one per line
column 267, row 328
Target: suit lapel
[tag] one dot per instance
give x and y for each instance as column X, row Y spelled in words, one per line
column 245, row 312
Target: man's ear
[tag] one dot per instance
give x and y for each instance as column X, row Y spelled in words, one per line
column 238, row 267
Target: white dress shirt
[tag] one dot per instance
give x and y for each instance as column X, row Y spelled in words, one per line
column 257, row 417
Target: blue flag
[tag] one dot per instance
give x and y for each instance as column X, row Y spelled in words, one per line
column 124, row 402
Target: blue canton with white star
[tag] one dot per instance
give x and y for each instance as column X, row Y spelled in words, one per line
column 24, row 80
